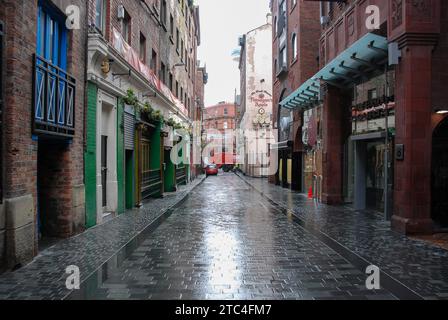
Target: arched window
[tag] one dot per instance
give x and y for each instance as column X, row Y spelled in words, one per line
column 294, row 46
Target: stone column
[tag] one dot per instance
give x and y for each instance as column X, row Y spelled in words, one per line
column 412, row 192
column 415, row 26
column 333, row 144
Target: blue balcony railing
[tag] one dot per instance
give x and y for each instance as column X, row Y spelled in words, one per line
column 54, row 100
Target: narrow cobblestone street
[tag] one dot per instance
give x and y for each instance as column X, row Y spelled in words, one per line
column 228, row 242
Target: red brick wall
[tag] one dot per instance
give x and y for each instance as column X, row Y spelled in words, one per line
column 21, row 151
column 303, row 20
column 214, row 117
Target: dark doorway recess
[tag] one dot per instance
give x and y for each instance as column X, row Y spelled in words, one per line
column 439, row 192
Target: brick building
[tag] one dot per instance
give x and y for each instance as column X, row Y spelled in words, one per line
column 380, row 90
column 295, row 59
column 42, row 110
column 141, row 72
column 219, row 124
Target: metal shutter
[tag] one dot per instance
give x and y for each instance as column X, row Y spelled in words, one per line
column 129, row 131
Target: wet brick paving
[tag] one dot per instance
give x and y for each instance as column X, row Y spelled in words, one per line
column 421, row 266
column 45, row 277
column 227, row 242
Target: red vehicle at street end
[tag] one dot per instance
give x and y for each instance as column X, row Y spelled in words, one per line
column 211, row 170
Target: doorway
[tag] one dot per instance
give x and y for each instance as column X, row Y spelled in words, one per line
column 439, row 176
column 106, row 160
column 104, row 170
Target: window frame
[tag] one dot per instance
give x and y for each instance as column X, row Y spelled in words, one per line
column 102, row 27
column 294, row 47
column 127, row 22
column 143, row 55
column 48, row 48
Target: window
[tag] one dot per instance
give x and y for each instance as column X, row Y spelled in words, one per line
column 100, row 15
column 226, row 126
column 182, row 50
column 171, row 25
column 372, row 94
column 52, row 37
column 170, row 82
column 293, row 4
column 163, row 12
column 181, row 94
column 177, row 89
column 177, row 40
column 153, row 65
column 126, row 27
column 281, row 24
column 226, row 111
column 282, row 56
column 54, row 89
column 294, row 47
column 275, row 26
column 142, row 54
column 162, row 73
column 281, row 32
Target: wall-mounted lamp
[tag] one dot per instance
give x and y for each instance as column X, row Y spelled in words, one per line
column 441, row 111
column 115, row 75
column 150, row 95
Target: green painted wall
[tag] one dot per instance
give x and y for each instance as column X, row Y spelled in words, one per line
column 129, row 167
column 90, row 155
column 120, row 157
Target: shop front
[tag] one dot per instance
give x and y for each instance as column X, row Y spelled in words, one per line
column 372, row 170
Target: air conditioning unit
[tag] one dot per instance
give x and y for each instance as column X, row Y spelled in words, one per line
column 121, row 12
column 324, row 20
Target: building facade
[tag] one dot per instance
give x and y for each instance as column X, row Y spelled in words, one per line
column 255, row 109
column 379, row 92
column 142, row 74
column 295, row 59
column 42, row 110
column 219, row 124
column 95, row 96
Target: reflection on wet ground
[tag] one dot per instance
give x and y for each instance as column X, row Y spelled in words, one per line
column 227, row 242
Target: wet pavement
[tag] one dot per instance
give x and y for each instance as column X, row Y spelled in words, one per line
column 45, row 277
column 226, row 241
column 411, row 268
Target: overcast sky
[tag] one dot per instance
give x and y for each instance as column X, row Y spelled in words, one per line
column 222, row 22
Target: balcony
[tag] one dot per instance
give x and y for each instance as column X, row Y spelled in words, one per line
column 54, row 100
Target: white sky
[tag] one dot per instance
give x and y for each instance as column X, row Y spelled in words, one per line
column 222, row 22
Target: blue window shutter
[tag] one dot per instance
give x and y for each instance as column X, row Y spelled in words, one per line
column 63, row 50
column 55, row 39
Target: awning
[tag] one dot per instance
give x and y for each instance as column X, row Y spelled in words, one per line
column 365, row 55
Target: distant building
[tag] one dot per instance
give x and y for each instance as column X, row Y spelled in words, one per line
column 219, row 124
column 255, row 107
